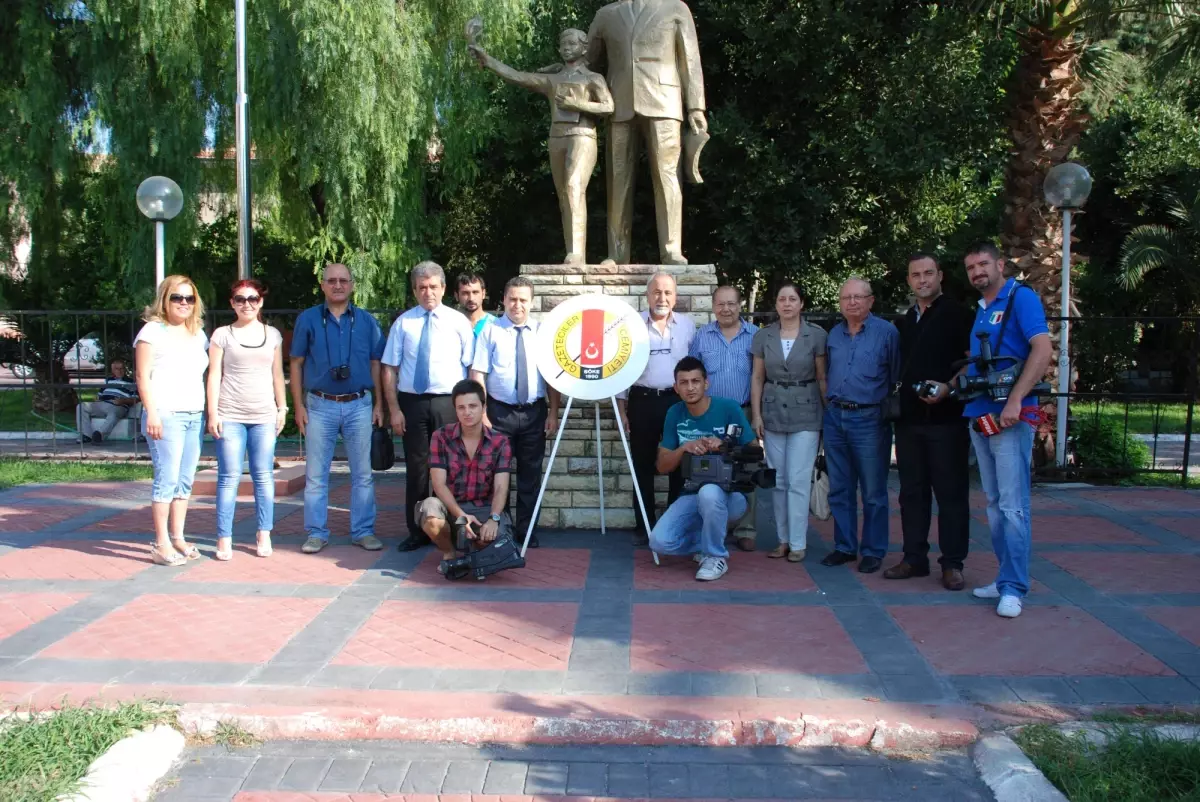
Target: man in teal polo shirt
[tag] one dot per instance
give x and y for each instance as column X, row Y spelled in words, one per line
column 1004, row 458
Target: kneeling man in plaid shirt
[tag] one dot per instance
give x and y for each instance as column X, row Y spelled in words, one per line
column 469, row 469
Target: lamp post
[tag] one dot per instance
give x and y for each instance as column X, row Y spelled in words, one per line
column 242, row 140
column 160, row 199
column 1066, row 188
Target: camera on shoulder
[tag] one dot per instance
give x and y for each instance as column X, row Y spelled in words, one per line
column 735, row 468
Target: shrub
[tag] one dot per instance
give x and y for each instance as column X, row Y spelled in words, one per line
column 1102, row 444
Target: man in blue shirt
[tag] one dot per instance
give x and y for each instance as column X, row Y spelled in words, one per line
column 863, row 363
column 334, row 372
column 1004, row 458
column 724, row 348
column 696, row 524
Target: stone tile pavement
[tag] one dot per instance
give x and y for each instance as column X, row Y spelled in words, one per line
column 591, row 631
column 371, row 771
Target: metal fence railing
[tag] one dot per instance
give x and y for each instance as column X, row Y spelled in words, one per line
column 1131, row 412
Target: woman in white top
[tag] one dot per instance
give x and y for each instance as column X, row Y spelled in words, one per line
column 246, row 408
column 171, row 360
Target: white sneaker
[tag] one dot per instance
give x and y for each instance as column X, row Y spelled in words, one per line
column 986, row 592
column 712, row 568
column 1009, row 606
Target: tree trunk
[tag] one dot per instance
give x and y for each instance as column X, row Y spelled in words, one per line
column 1047, row 119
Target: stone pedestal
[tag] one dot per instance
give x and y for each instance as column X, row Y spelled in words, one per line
column 573, row 497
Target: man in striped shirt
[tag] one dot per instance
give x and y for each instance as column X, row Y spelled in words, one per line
column 724, row 348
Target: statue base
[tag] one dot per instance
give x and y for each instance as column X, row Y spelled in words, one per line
column 572, row 499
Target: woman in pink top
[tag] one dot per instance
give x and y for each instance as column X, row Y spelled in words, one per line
column 246, row 409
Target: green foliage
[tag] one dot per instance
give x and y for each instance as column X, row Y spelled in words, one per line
column 15, row 472
column 1102, row 444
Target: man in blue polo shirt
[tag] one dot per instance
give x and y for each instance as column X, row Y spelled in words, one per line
column 696, row 523
column 1004, row 458
column 336, row 348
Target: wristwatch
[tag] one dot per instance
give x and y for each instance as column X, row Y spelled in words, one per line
column 496, row 517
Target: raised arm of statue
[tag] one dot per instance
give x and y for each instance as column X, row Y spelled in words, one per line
column 541, row 84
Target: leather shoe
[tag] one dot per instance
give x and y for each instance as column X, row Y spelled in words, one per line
column 869, row 565
column 904, row 570
column 838, row 558
column 414, row 541
column 952, row 579
column 533, row 541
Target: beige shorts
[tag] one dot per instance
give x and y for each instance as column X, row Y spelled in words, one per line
column 431, row 507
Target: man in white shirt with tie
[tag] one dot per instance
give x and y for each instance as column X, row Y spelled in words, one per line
column 428, row 351
column 506, row 365
column 653, row 394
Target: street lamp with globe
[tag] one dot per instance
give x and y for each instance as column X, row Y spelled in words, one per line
column 161, row 200
column 1066, row 188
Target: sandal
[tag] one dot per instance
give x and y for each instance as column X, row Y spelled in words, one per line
column 264, row 544
column 189, row 551
column 796, row 556
column 174, row 560
column 225, row 554
column 780, row 551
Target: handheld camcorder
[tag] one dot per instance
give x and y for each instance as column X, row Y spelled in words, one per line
column 994, row 382
column 499, row 555
column 734, row 468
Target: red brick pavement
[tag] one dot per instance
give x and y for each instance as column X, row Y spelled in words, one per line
column 92, row 491
column 221, row 629
column 77, row 559
column 287, row 565
column 545, row 568
column 747, row 572
column 1132, row 573
column 388, row 523
column 36, row 518
column 387, row 494
column 1139, row 500
column 442, row 634
column 19, row 610
column 741, row 637
column 201, row 519
column 980, row 568
column 1186, row 527
column 1083, row 529
column 1183, row 621
column 1043, row 641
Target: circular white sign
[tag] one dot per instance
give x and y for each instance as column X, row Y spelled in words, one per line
column 592, row 347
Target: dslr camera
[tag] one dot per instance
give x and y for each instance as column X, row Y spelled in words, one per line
column 997, row 375
column 733, row 468
column 340, row 373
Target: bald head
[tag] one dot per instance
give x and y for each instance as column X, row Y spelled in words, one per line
column 855, row 299
column 660, row 295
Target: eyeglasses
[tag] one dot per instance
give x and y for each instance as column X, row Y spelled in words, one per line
column 246, row 299
column 849, row 298
column 728, row 305
column 660, row 352
column 338, row 281
column 186, row 300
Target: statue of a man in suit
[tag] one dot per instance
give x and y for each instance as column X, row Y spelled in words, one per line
column 656, row 82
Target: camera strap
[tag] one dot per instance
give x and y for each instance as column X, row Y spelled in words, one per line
column 349, row 346
column 1009, row 311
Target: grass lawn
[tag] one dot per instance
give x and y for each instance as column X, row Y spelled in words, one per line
column 1133, row 767
column 1170, row 418
column 44, row 756
column 15, row 472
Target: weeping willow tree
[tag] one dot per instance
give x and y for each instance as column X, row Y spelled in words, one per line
column 350, row 103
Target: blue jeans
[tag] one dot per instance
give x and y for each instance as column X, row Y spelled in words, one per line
column 231, row 450
column 325, row 420
column 698, row 523
column 858, row 453
column 1004, row 469
column 175, row 455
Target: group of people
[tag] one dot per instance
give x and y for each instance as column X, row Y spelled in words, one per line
column 463, row 391
column 802, row 390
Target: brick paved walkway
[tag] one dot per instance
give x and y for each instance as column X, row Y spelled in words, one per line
column 591, row 631
column 371, row 772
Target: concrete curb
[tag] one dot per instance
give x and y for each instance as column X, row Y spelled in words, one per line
column 1100, row 733
column 815, row 729
column 131, row 767
column 1009, row 773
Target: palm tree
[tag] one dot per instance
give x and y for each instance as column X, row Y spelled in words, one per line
column 1169, row 252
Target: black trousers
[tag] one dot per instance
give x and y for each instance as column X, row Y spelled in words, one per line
column 647, row 411
column 525, row 428
column 423, row 415
column 932, row 461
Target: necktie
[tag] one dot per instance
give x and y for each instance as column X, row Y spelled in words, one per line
column 522, row 368
column 421, row 369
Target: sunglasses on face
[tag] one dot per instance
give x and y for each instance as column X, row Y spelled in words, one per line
column 187, row 300
column 246, row 299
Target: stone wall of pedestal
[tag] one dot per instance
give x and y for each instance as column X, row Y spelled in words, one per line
column 573, row 496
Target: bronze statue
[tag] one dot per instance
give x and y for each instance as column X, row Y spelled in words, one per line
column 577, row 96
column 655, row 78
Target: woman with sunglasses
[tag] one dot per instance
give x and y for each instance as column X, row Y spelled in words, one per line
column 246, row 411
column 170, row 351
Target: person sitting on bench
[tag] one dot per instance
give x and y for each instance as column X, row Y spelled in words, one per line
column 469, row 469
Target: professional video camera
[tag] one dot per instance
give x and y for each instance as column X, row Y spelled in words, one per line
column 499, row 555
column 992, row 382
column 734, row 468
